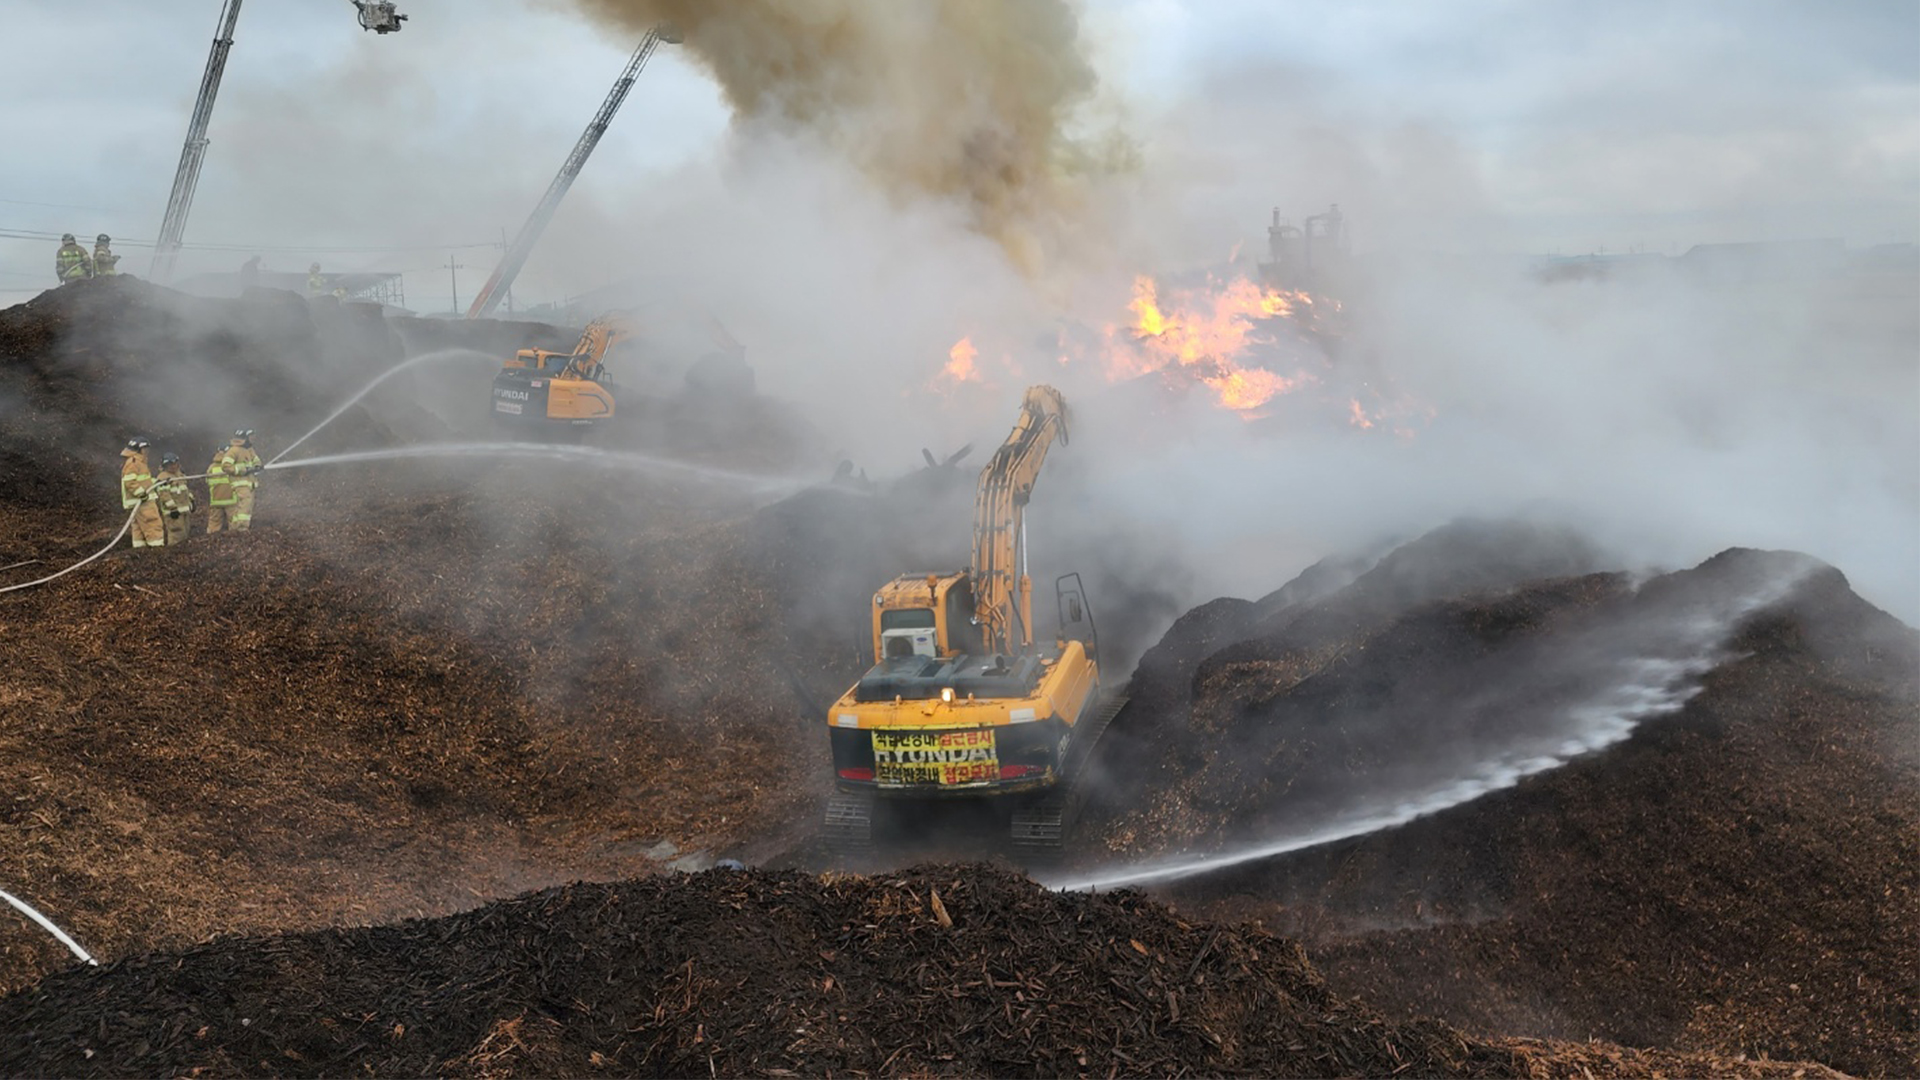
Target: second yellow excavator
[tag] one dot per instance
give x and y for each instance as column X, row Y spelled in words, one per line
column 960, row 702
column 556, row 392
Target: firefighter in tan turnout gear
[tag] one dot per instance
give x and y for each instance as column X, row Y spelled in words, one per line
column 104, row 260
column 137, row 495
column 71, row 262
column 242, row 465
column 175, row 500
column 219, row 491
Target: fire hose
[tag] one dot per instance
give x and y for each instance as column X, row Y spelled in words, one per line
column 47, row 924
column 124, row 526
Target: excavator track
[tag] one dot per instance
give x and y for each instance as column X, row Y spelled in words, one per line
column 848, row 828
column 1038, row 830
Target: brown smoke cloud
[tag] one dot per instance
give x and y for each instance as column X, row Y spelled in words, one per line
column 965, row 100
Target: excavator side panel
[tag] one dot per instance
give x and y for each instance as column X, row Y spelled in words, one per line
column 577, row 400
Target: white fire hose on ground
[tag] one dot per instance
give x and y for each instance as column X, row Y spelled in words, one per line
column 47, row 925
column 124, row 526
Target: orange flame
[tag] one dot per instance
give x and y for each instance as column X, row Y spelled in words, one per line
column 1206, row 334
column 1222, row 334
column 960, row 363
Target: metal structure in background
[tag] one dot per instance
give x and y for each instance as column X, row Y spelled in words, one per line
column 529, row 235
column 378, row 17
column 1297, row 262
column 388, row 289
column 187, row 176
column 381, row 18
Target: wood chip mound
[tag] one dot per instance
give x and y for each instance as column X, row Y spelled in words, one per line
column 734, row 973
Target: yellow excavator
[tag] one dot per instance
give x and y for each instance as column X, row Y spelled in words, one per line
column 554, row 392
column 960, row 703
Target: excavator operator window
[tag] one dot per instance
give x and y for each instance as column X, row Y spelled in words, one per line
column 906, row 619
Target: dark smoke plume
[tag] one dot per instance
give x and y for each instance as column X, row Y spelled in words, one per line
column 962, row 100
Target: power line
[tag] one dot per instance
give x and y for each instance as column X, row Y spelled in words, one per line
column 59, row 205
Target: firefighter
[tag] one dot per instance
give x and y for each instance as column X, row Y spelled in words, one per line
column 104, row 260
column 242, row 464
column 72, row 262
column 219, row 491
column 175, row 500
column 316, row 285
column 136, row 495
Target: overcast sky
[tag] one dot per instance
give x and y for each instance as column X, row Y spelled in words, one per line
column 1545, row 126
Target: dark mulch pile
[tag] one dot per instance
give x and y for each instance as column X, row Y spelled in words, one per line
column 943, row 970
column 1740, row 875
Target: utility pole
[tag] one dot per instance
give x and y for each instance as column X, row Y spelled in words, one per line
column 453, row 279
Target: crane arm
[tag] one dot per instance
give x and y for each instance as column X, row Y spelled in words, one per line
column 187, row 176
column 1002, row 593
column 516, row 255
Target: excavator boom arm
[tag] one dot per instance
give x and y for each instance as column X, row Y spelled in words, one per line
column 600, row 336
column 1001, row 601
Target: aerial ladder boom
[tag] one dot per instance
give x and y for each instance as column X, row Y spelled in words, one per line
column 516, row 255
column 376, row 16
column 187, row 176
column 1003, row 594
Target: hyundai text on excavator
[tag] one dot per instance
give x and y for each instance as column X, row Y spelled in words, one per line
column 960, row 703
column 562, row 394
